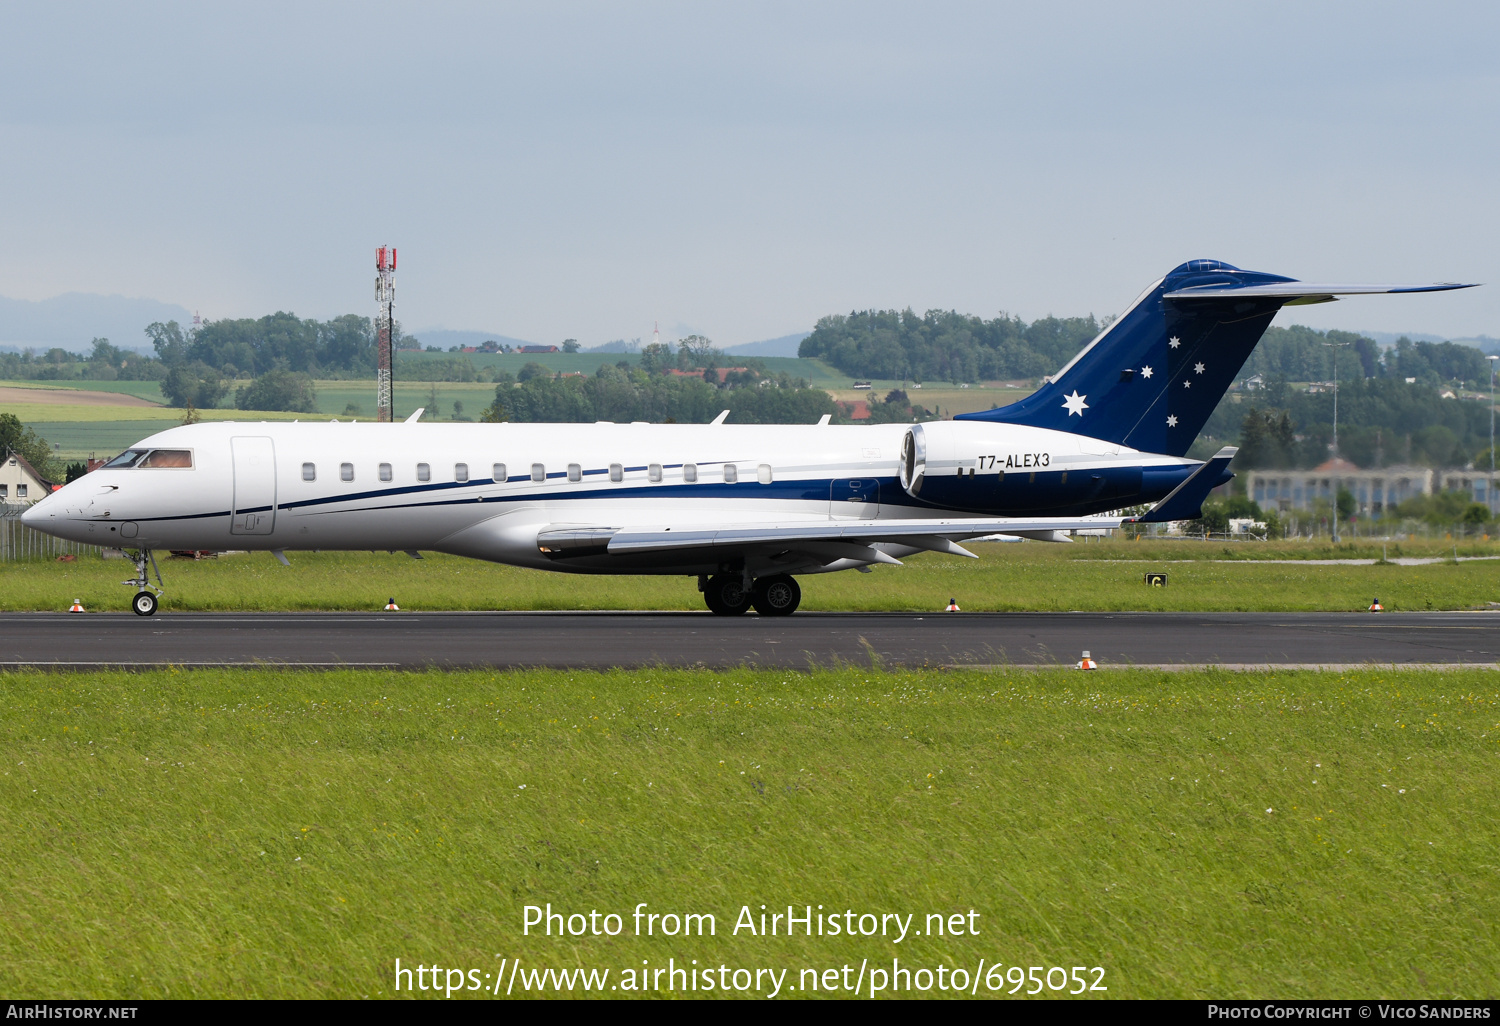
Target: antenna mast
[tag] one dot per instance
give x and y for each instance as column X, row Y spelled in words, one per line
column 385, row 301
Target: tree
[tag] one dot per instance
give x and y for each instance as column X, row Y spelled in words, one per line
column 570, row 345
column 1266, row 440
column 533, row 370
column 656, row 358
column 1345, row 504
column 17, row 437
column 697, row 351
column 194, row 383
column 278, row 390
column 170, row 343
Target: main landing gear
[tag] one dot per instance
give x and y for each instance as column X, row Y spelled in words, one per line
column 726, row 595
column 145, row 600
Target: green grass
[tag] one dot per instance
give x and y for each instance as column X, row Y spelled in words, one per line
column 291, row 834
column 1007, row 577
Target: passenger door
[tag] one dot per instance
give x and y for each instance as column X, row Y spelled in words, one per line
column 254, row 510
column 856, row 498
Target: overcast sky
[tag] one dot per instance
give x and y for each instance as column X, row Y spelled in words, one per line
column 581, row 170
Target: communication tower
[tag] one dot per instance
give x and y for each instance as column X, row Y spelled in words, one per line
column 385, row 301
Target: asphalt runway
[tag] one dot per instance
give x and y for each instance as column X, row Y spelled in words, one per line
column 600, row 640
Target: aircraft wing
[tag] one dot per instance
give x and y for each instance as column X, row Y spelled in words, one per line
column 862, row 532
column 850, row 539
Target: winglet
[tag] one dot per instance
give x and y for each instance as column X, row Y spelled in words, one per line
column 720, row 418
column 416, row 415
column 1186, row 500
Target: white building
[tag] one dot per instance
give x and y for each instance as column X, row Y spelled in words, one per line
column 1373, row 490
column 19, row 481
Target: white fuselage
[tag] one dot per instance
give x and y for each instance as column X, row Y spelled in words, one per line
column 288, row 485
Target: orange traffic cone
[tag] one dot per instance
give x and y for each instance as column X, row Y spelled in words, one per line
column 1086, row 663
column 953, row 606
column 392, row 605
column 1376, row 607
column 76, row 607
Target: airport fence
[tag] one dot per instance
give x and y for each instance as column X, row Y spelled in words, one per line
column 19, row 542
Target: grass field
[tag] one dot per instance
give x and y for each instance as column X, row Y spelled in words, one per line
column 140, row 389
column 291, row 834
column 1030, row 576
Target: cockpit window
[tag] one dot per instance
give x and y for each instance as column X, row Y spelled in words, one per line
column 128, row 458
column 169, row 458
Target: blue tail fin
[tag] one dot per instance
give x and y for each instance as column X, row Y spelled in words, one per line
column 1152, row 378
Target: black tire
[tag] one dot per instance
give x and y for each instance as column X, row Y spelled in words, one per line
column 777, row 596
column 144, row 603
column 726, row 595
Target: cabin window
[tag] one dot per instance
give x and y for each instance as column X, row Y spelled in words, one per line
column 4, row 491
column 385, row 472
column 575, row 472
column 763, row 473
column 346, row 472
column 690, row 471
column 616, row 472
column 538, row 472
column 497, row 473
column 128, row 458
column 309, row 471
column 654, row 472
column 424, row 472
column 460, row 472
column 179, row 458
column 21, row 491
column 731, row 473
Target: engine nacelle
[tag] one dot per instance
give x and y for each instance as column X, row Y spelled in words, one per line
column 1005, row 468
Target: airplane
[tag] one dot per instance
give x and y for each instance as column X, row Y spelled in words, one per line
column 745, row 509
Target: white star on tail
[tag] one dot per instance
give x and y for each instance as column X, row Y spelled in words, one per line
column 1174, row 341
column 1187, row 384
column 1172, row 420
column 1146, row 372
column 1075, row 403
column 1197, row 368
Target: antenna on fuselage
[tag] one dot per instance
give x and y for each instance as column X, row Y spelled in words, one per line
column 385, row 301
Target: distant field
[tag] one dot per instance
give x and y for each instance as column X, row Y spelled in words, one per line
column 334, row 396
column 945, row 399
column 79, row 431
column 140, row 389
column 1029, row 576
column 1195, row 834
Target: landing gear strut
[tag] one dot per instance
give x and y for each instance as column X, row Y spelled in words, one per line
column 145, row 599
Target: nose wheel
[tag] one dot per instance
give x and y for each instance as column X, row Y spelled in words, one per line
column 146, row 596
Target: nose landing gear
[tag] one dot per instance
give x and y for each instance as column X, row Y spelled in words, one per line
column 145, row 600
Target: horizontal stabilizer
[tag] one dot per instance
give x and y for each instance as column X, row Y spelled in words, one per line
column 1301, row 290
column 1186, row 500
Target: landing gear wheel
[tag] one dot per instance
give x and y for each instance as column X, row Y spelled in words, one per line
column 726, row 595
column 777, row 596
column 144, row 603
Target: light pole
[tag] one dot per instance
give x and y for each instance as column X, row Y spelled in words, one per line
column 1489, row 491
column 1335, row 346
